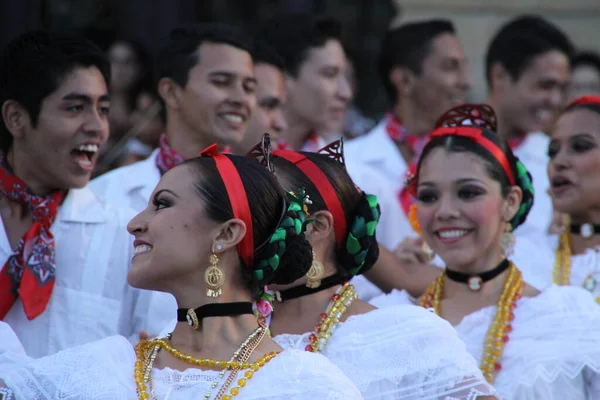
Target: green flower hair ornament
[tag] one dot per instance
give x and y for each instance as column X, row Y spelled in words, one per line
column 525, row 182
column 294, row 220
column 362, row 227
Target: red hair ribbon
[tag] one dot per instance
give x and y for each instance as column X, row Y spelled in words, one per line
column 238, row 199
column 323, row 186
column 476, row 135
column 584, row 100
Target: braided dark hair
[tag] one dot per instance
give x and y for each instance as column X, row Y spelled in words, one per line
column 281, row 252
column 359, row 250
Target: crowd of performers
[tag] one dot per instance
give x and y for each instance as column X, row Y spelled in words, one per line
column 449, row 253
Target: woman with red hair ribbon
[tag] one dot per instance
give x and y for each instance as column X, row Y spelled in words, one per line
column 472, row 193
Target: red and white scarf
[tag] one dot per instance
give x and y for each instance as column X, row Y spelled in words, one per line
column 167, row 158
column 30, row 272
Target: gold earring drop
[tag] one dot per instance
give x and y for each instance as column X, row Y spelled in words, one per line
column 315, row 273
column 214, row 277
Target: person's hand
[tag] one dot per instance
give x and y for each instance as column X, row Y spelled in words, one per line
column 414, row 251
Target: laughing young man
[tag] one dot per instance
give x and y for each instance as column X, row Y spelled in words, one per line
column 65, row 252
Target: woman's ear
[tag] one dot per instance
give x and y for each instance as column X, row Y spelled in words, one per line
column 231, row 233
column 320, row 226
column 512, row 202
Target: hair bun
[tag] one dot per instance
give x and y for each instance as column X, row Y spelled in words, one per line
column 525, row 182
column 360, row 250
column 286, row 254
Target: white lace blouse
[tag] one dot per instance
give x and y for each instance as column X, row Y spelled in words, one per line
column 103, row 370
column 403, row 352
column 553, row 352
column 538, row 266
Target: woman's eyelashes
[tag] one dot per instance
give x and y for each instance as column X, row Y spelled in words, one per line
column 160, row 203
column 577, row 145
column 428, row 196
column 470, row 192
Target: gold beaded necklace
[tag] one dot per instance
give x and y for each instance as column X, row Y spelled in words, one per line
column 146, row 352
column 330, row 319
column 562, row 259
column 497, row 335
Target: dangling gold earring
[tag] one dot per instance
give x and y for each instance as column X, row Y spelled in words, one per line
column 315, row 273
column 508, row 241
column 214, row 277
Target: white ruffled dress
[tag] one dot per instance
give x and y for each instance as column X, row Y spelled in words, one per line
column 553, row 352
column 104, row 370
column 403, row 352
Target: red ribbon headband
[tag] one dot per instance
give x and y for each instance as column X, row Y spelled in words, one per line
column 323, row 186
column 237, row 198
column 585, row 100
column 476, row 135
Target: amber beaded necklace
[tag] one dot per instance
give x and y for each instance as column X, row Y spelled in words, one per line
column 330, row 319
column 497, row 335
column 562, row 260
column 147, row 351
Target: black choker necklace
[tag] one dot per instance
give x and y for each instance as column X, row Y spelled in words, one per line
column 193, row 315
column 303, row 290
column 476, row 282
column 585, row 230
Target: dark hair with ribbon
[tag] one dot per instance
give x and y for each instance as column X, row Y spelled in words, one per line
column 591, row 103
column 237, row 187
column 355, row 214
column 469, row 128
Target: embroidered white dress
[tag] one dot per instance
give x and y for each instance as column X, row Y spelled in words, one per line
column 553, row 352
column 403, row 352
column 104, row 370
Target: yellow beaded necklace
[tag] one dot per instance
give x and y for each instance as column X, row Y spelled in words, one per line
column 497, row 335
column 562, row 260
column 330, row 319
column 146, row 352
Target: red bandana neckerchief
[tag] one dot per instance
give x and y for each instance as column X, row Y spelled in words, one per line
column 399, row 134
column 167, row 158
column 30, row 272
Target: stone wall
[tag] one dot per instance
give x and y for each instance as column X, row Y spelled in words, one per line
column 477, row 20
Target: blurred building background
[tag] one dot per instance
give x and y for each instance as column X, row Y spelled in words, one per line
column 365, row 22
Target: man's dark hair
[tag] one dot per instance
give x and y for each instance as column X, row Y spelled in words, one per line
column 265, row 54
column 178, row 52
column 408, row 46
column 293, row 36
column 586, row 58
column 33, row 66
column 520, row 41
